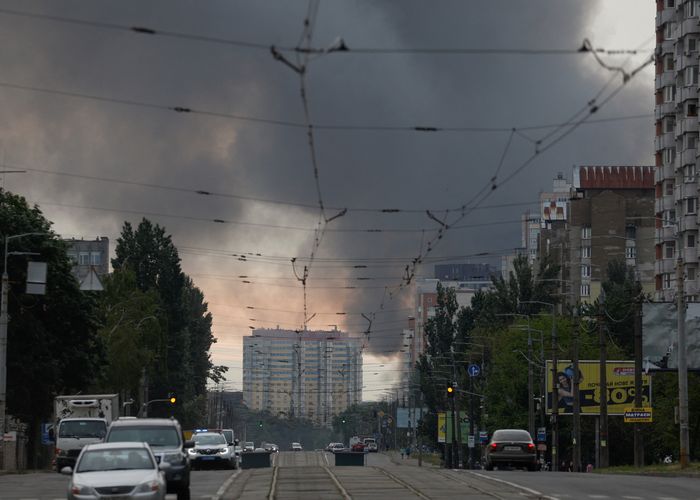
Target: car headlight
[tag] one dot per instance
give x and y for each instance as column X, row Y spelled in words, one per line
column 223, row 451
column 148, row 486
column 175, row 458
column 79, row 489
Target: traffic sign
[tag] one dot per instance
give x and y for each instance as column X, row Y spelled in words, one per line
column 470, row 441
column 474, row 370
column 634, row 415
column 483, row 437
column 541, row 434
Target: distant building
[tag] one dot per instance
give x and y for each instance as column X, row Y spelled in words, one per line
column 311, row 374
column 90, row 260
column 480, row 273
column 611, row 216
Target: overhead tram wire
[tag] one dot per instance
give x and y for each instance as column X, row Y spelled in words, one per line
column 183, row 109
column 247, row 44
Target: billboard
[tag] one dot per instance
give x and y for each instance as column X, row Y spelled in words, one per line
column 445, row 427
column 620, row 387
column 409, row 418
column 660, row 335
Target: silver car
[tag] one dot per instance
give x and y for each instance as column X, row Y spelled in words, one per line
column 110, row 470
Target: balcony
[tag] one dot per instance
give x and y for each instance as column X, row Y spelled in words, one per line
column 663, row 109
column 662, row 173
column 667, row 233
column 686, row 125
column 688, row 222
column 664, row 141
column 688, row 156
column 665, row 16
column 690, row 25
column 690, row 254
column 664, row 79
column 665, row 266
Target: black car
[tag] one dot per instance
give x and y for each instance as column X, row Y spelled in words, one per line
column 164, row 435
column 511, row 448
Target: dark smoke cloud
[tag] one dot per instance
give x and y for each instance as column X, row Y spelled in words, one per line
column 357, row 168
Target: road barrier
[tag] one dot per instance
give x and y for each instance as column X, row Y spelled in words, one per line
column 349, row 458
column 255, row 459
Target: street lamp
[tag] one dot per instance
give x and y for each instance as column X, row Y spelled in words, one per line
column 4, row 320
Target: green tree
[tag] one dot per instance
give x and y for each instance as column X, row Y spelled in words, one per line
column 52, row 342
column 524, row 286
column 131, row 333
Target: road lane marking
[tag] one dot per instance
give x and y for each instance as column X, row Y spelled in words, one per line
column 273, row 484
column 342, row 490
column 222, row 489
column 632, row 498
column 325, row 456
column 402, row 483
column 598, row 496
column 514, row 485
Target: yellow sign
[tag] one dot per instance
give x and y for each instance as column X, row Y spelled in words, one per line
column 442, row 427
column 635, row 415
column 619, row 387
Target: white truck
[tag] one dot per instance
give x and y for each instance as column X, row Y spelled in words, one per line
column 81, row 420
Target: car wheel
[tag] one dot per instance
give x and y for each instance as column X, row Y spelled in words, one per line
column 183, row 493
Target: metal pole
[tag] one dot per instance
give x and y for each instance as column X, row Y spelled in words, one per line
column 638, row 438
column 471, row 421
column 453, row 451
column 604, row 450
column 682, row 369
column 530, row 384
column 418, row 434
column 576, row 441
column 3, row 344
column 555, row 396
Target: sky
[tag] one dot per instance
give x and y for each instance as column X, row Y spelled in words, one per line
column 86, row 109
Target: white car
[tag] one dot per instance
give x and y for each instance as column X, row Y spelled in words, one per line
column 212, row 449
column 296, row 447
column 124, row 470
column 371, row 445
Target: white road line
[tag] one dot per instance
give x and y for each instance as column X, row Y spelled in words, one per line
column 668, row 498
column 598, row 496
column 632, row 498
column 227, row 483
column 514, row 485
column 326, row 457
column 273, row 485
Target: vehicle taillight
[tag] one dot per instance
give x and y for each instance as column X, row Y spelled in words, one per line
column 494, row 446
column 530, row 447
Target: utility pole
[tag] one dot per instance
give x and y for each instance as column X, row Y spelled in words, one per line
column 682, row 368
column 604, row 454
column 638, row 438
column 576, row 441
column 555, row 396
column 530, row 384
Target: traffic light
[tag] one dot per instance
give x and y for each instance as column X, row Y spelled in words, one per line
column 450, row 391
column 172, row 397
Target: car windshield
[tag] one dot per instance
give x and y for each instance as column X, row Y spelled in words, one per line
column 228, row 435
column 154, row 436
column 209, row 439
column 115, row 459
column 514, row 435
column 82, row 429
column 249, row 444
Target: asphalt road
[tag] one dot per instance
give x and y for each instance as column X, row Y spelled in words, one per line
column 313, row 475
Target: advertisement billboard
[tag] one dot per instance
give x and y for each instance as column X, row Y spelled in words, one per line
column 619, row 390
column 445, row 427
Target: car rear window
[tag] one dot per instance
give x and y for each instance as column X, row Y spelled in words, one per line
column 511, row 436
column 154, row 436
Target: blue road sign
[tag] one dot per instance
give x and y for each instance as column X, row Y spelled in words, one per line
column 474, row 370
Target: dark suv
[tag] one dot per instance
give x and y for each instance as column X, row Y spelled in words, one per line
column 164, row 435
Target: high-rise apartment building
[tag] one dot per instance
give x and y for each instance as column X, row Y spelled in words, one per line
column 676, row 144
column 310, row 374
column 90, row 259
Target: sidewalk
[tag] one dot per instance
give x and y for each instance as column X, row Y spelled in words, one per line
column 396, row 459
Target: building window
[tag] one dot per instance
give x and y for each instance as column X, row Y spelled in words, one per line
column 669, row 250
column 586, row 252
column 691, row 205
column 669, row 65
column 691, row 141
column 669, row 156
column 691, row 109
column 669, row 188
column 670, row 92
column 692, row 273
column 73, row 257
column 666, row 281
column 669, row 124
column 586, row 233
column 630, row 252
column 689, row 172
column 95, row 258
column 690, row 241
column 668, row 30
column 585, row 290
column 669, row 218
column 84, row 259
column 692, row 44
column 670, row 4
column 585, row 271
column 691, row 76
column 691, row 8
